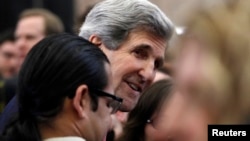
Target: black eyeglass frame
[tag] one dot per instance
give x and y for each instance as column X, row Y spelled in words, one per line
column 117, row 101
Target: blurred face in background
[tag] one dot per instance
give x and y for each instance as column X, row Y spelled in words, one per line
column 9, row 57
column 184, row 117
column 163, row 123
column 29, row 31
column 194, row 83
column 178, row 120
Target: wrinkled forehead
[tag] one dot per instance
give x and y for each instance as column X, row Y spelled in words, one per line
column 155, row 43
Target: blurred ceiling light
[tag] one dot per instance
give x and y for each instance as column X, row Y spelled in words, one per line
column 179, row 30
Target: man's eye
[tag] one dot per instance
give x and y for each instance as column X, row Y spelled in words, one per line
column 139, row 53
column 30, row 37
column 157, row 64
column 8, row 55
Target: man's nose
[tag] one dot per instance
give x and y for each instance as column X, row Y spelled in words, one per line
column 14, row 61
column 148, row 72
column 20, row 43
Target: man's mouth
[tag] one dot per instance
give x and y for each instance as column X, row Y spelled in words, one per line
column 135, row 87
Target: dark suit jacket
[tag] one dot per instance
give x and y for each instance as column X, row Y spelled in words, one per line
column 11, row 109
column 9, row 113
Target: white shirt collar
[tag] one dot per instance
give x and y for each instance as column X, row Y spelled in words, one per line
column 70, row 138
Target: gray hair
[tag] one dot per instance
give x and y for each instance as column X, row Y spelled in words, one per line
column 113, row 20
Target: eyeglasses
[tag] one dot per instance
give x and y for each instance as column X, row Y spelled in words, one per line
column 115, row 103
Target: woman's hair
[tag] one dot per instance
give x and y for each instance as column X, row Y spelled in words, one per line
column 148, row 104
column 52, row 71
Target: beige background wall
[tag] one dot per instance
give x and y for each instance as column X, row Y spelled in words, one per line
column 176, row 10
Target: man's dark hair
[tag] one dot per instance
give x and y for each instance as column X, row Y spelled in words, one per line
column 52, row 71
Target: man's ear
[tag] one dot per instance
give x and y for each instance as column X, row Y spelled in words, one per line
column 81, row 100
column 98, row 42
column 95, row 40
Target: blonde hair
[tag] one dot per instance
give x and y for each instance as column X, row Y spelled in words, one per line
column 224, row 34
column 53, row 23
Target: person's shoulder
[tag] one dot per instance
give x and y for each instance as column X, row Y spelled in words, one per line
column 2, row 138
column 11, row 81
column 9, row 113
column 65, row 139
